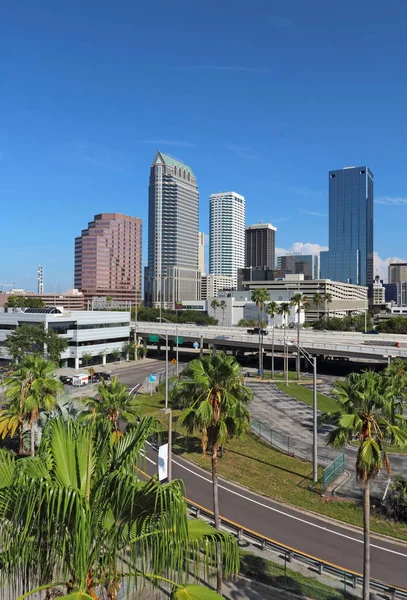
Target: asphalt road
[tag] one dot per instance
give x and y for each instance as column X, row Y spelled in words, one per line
column 321, row 539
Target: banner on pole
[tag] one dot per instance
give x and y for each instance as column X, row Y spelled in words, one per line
column 163, row 462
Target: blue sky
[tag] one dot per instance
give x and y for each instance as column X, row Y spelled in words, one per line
column 261, row 98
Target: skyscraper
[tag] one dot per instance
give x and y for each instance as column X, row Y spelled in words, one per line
column 261, row 245
column 350, row 255
column 201, row 252
column 108, row 258
column 397, row 272
column 172, row 274
column 307, row 264
column 226, row 234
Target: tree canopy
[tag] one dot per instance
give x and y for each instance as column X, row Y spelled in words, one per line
column 35, row 339
column 24, row 302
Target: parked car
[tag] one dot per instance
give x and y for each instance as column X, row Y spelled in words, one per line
column 65, row 379
column 100, row 376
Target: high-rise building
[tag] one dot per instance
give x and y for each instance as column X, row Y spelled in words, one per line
column 350, row 255
column 226, row 234
column 211, row 285
column 201, row 252
column 297, row 264
column 261, row 245
column 108, row 258
column 397, row 272
column 172, row 274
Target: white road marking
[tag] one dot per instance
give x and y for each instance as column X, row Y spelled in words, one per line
column 281, row 512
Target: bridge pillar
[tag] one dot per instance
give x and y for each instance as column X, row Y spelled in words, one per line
column 201, row 346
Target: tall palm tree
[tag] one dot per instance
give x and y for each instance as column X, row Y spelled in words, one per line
column 114, row 403
column 260, row 296
column 328, row 301
column 284, row 310
column 222, row 306
column 213, row 387
column 362, row 409
column 301, row 303
column 271, row 310
column 31, row 389
column 214, row 305
column 77, row 516
column 318, row 299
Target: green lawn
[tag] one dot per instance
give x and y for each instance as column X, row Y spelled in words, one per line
column 258, row 466
column 278, row 576
column 325, row 403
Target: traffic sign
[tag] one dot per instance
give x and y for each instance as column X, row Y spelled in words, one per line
column 195, row 345
column 152, row 377
column 180, row 340
column 153, row 338
column 174, row 361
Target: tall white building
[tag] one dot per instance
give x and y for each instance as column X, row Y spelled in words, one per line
column 226, row 234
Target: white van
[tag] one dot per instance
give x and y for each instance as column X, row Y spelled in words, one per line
column 80, row 379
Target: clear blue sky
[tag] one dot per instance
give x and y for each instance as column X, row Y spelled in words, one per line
column 262, row 98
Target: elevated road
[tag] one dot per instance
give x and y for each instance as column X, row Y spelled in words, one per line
column 381, row 347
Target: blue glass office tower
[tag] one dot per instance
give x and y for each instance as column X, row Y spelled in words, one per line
column 350, row 255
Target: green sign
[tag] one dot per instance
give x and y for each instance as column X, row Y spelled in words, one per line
column 153, row 338
column 179, row 339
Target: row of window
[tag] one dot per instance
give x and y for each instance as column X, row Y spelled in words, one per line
column 98, row 342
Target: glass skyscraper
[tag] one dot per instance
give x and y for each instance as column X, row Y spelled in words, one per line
column 350, row 255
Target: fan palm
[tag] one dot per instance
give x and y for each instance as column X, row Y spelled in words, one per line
column 114, row 403
column 318, row 299
column 271, row 310
column 328, row 300
column 301, row 303
column 30, row 389
column 222, row 306
column 218, row 402
column 214, row 305
column 77, row 516
column 362, row 408
column 260, row 296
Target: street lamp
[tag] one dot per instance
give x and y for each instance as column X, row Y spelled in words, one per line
column 167, row 410
column 312, row 361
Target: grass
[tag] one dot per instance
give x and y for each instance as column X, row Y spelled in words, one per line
column 325, row 403
column 263, row 469
column 279, row 576
column 292, row 376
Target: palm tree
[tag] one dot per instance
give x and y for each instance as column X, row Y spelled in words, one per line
column 77, row 516
column 113, row 403
column 32, row 388
column 215, row 304
column 318, row 299
column 328, row 301
column 217, row 407
column 284, row 310
column 222, row 306
column 260, row 296
column 301, row 302
column 362, row 408
column 271, row 310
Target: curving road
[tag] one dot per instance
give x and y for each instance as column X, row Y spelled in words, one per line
column 306, row 533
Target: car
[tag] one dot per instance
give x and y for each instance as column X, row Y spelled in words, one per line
column 100, row 376
column 257, row 331
column 65, row 379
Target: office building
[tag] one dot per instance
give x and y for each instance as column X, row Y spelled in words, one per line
column 70, row 300
column 172, row 274
column 212, row 284
column 254, row 274
column 260, row 245
column 397, row 272
column 226, row 234
column 86, row 332
column 379, row 292
column 350, row 255
column 297, row 264
column 391, row 292
column 201, row 252
column 347, row 299
column 108, row 258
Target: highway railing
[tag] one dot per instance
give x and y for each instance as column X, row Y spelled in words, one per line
column 353, row 579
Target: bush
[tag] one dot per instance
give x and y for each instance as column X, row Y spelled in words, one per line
column 393, row 325
column 395, row 504
column 353, row 323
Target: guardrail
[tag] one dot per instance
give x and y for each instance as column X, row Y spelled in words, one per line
column 333, row 470
column 348, row 577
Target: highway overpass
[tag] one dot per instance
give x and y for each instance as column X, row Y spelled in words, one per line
column 381, row 347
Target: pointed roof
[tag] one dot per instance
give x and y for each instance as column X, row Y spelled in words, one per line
column 161, row 158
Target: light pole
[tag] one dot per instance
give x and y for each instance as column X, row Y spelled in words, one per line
column 313, row 362
column 167, row 411
column 135, row 315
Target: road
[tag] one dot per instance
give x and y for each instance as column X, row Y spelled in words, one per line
column 318, row 538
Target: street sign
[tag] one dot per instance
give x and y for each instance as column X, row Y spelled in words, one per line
column 174, row 361
column 195, row 345
column 180, row 340
column 153, row 338
column 163, row 462
column 152, row 377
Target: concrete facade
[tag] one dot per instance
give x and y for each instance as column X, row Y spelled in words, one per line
column 211, row 285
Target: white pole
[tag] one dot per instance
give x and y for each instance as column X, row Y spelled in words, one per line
column 176, row 333
column 315, row 416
